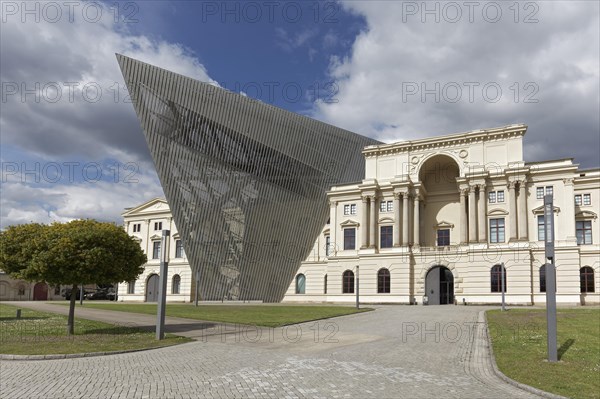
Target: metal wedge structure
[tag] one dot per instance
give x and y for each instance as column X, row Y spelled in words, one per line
column 246, row 181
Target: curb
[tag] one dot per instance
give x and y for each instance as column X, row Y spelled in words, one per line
column 510, row 381
column 80, row 355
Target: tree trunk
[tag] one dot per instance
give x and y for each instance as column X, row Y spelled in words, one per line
column 71, row 321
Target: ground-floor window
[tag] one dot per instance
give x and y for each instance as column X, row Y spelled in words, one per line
column 325, row 285
column 348, row 282
column 586, row 278
column 131, row 287
column 543, row 278
column 176, row 283
column 383, row 281
column 496, row 278
column 300, row 284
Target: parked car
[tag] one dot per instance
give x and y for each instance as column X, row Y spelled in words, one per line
column 101, row 294
column 67, row 294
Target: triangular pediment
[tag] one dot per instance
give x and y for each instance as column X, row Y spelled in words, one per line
column 443, row 225
column 155, row 205
column 540, row 210
column 326, row 232
column 349, row 223
column 156, row 237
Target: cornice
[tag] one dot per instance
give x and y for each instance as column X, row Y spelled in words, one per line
column 447, row 141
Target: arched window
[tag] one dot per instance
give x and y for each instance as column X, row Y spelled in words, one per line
column 300, row 284
column 383, row 281
column 496, row 278
column 586, row 278
column 348, row 282
column 325, row 284
column 176, row 283
column 543, row 278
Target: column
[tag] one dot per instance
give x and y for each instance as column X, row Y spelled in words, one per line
column 522, row 209
column 373, row 222
column 472, row 215
column 416, row 219
column 463, row 216
column 364, row 210
column 397, row 219
column 512, row 212
column 482, row 214
column 333, row 227
column 405, row 219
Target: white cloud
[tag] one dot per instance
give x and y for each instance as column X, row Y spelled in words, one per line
column 554, row 61
column 48, row 56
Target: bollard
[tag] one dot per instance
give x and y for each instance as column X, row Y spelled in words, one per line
column 18, row 313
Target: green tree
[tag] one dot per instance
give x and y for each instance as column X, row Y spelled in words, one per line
column 78, row 252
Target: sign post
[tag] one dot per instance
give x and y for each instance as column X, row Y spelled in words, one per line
column 197, row 294
column 162, row 287
column 550, row 277
column 503, row 286
column 357, row 285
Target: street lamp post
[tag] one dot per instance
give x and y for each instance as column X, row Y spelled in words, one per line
column 502, row 286
column 162, row 287
column 550, row 277
column 357, row 289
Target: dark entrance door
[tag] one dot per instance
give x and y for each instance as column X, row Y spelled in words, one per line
column 40, row 292
column 439, row 286
column 152, row 288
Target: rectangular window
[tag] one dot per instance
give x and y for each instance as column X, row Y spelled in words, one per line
column 385, row 237
column 346, row 209
column 179, row 252
column 492, row 197
column 578, row 199
column 157, row 226
column 349, row 239
column 541, row 232
column 156, row 250
column 386, row 206
column 327, row 245
column 539, row 193
column 583, row 230
column 500, row 196
column 496, row 230
column 353, row 209
column 587, row 199
column 137, row 227
column 549, row 190
column 443, row 237
column 131, row 287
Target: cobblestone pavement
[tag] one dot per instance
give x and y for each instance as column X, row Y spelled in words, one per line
column 392, row 352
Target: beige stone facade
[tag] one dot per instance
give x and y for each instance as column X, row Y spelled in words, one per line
column 146, row 222
column 434, row 216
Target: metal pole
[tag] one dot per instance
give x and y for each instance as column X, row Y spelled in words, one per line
column 81, row 295
column 197, row 288
column 550, row 278
column 357, row 288
column 502, row 283
column 162, row 287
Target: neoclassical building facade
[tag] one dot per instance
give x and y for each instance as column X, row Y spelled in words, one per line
column 440, row 220
column 145, row 223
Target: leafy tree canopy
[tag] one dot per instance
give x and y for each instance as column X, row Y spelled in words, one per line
column 78, row 252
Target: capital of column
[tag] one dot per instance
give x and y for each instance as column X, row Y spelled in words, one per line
column 398, row 196
column 512, row 185
column 364, row 198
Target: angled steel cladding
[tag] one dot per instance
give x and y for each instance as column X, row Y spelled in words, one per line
column 246, row 181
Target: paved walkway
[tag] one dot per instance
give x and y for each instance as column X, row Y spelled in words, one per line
column 393, row 352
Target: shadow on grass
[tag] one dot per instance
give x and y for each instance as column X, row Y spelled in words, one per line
column 565, row 347
column 12, row 318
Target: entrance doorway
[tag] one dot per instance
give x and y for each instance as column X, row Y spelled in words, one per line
column 439, row 286
column 152, row 288
column 40, row 292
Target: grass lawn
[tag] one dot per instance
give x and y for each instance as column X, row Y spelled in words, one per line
column 258, row 315
column 519, row 343
column 41, row 333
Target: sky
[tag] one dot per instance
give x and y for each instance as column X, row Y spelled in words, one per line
column 71, row 145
